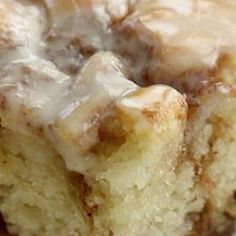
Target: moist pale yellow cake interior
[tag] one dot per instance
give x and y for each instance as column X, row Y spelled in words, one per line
column 118, row 118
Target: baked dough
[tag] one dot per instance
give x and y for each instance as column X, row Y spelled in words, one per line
column 117, row 117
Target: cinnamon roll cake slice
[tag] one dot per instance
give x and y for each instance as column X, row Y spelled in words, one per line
column 117, row 117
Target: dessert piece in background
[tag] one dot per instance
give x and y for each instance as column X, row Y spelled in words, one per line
column 188, row 40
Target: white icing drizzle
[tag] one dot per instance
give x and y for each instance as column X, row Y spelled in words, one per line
column 38, row 98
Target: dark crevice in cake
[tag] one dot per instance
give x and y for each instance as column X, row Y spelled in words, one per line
column 3, row 229
column 84, row 191
column 203, row 225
